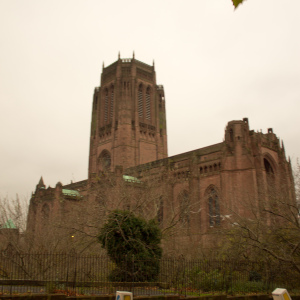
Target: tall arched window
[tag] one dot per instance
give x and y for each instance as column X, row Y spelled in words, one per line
column 148, row 104
column 112, row 103
column 231, row 135
column 106, row 106
column 160, row 211
column 45, row 214
column 140, row 101
column 213, row 208
column 105, row 160
column 184, row 207
column 95, row 102
column 268, row 168
column 45, row 211
column 270, row 174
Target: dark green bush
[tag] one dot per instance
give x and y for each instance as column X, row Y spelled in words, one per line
column 133, row 244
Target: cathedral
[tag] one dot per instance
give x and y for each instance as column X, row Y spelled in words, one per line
column 190, row 194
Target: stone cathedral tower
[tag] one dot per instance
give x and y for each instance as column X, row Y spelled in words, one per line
column 128, row 126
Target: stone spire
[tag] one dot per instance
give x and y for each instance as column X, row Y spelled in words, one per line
column 282, row 146
column 40, row 184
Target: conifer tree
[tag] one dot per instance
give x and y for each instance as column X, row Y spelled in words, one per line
column 133, row 244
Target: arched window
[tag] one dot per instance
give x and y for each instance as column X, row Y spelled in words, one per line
column 45, row 213
column 160, row 211
column 268, row 167
column 184, row 207
column 270, row 174
column 105, row 160
column 112, row 103
column 231, row 135
column 148, row 104
column 106, row 105
column 95, row 102
column 213, row 208
column 140, row 101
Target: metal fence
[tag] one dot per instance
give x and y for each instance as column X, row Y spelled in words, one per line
column 90, row 274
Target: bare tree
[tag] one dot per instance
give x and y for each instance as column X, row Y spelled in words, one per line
column 14, row 211
column 149, row 197
column 13, row 215
column 269, row 230
column 296, row 174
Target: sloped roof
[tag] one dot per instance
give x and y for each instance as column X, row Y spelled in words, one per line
column 70, row 193
column 9, row 224
column 131, row 179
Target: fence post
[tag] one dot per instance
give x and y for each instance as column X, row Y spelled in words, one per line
column 75, row 272
column 184, row 274
column 132, row 277
column 231, row 277
column 68, row 266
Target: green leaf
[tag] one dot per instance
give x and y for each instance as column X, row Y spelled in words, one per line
column 236, row 3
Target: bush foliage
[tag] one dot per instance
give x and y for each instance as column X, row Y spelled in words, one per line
column 131, row 242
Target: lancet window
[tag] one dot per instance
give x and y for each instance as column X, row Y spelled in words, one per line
column 270, row 174
column 112, row 102
column 109, row 96
column 144, row 102
column 148, row 104
column 45, row 212
column 213, row 208
column 184, row 207
column 105, row 160
column 160, row 211
column 106, row 106
column 140, row 101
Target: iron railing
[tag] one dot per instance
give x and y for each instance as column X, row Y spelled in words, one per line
column 73, row 273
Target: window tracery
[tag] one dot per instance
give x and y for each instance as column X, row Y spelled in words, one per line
column 112, row 102
column 105, row 160
column 140, row 101
column 106, row 106
column 148, row 104
column 184, row 207
column 213, row 208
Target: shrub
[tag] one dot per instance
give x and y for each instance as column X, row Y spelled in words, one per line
column 133, row 244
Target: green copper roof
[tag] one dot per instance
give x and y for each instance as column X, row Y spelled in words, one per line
column 9, row 224
column 131, row 179
column 71, row 193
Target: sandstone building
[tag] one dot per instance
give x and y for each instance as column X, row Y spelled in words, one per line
column 196, row 190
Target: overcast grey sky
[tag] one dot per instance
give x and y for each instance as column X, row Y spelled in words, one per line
column 216, row 65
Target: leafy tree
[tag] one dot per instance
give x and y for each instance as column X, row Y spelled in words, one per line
column 236, row 3
column 133, row 244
